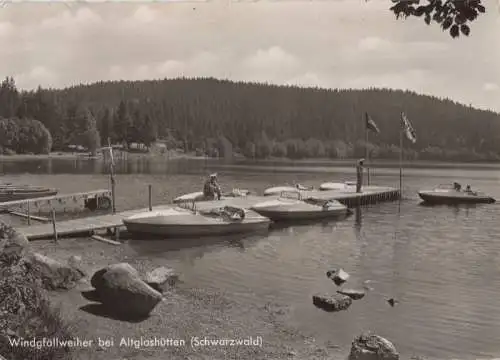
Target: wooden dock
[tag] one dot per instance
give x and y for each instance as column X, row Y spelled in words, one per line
column 369, row 195
column 89, row 225
column 82, row 226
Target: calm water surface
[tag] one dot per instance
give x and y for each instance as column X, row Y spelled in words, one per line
column 442, row 263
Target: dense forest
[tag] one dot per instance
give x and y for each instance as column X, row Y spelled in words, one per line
column 257, row 120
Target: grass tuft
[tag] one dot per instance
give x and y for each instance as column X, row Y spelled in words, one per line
column 26, row 314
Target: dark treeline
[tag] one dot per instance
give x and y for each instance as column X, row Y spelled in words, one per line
column 256, row 120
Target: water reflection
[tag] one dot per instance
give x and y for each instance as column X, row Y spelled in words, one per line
column 192, row 248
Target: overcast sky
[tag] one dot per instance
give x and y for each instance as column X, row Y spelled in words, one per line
column 330, row 43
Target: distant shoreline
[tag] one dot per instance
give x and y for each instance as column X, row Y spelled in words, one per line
column 242, row 161
column 83, row 156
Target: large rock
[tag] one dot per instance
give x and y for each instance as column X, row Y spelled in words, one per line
column 13, row 245
column 331, row 303
column 53, row 274
column 122, row 291
column 372, row 347
column 162, row 278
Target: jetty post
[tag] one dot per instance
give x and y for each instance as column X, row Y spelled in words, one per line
column 367, row 152
column 28, row 212
column 54, row 224
column 150, row 198
column 112, row 177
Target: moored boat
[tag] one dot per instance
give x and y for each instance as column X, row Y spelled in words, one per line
column 340, row 186
column 180, row 222
column 278, row 190
column 10, row 192
column 448, row 194
column 198, row 196
column 284, row 209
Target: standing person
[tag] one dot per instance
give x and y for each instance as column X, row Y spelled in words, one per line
column 211, row 188
column 359, row 175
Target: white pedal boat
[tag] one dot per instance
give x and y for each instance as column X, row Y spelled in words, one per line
column 198, row 196
column 179, row 222
column 283, row 209
column 343, row 186
column 278, row 190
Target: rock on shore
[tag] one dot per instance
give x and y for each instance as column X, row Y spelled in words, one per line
column 53, row 274
column 338, row 276
column 331, row 303
column 122, row 291
column 372, row 347
column 162, row 278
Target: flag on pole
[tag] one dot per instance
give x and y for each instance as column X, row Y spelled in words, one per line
column 408, row 129
column 370, row 124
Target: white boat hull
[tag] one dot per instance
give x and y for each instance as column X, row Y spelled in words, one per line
column 287, row 210
column 278, row 190
column 178, row 222
column 198, row 196
column 347, row 186
column 454, row 197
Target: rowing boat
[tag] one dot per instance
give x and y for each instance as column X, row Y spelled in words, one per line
column 10, row 192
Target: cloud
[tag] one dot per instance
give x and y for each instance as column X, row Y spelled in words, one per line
column 38, row 74
column 6, row 28
column 144, row 14
column 308, row 79
column 372, row 43
column 171, row 69
column 341, row 43
column 491, row 87
column 274, row 58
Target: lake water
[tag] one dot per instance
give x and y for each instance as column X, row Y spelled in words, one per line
column 441, row 263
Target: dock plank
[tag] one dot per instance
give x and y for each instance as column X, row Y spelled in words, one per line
column 81, row 225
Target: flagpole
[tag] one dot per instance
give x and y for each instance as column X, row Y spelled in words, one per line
column 112, row 177
column 367, row 155
column 401, row 163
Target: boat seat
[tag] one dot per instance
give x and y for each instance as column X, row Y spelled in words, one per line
column 234, row 213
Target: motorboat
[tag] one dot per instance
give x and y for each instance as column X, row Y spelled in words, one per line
column 199, row 196
column 450, row 194
column 11, row 192
column 286, row 209
column 339, row 186
column 278, row 190
column 180, row 222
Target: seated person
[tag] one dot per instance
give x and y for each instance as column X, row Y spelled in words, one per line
column 457, row 186
column 211, row 188
column 468, row 189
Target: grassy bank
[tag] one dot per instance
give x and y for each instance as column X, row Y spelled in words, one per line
column 25, row 310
